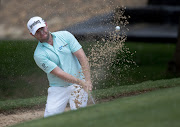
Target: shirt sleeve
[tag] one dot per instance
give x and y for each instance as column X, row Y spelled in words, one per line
column 72, row 41
column 44, row 63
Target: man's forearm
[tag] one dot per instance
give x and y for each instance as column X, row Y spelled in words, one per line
column 84, row 64
column 67, row 77
column 86, row 70
column 85, row 67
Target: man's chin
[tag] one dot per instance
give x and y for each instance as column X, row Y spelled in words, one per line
column 45, row 39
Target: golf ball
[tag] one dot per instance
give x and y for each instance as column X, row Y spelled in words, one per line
column 117, row 28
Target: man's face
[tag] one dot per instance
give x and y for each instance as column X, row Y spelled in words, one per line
column 42, row 34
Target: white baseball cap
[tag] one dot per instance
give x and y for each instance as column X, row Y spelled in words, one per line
column 35, row 23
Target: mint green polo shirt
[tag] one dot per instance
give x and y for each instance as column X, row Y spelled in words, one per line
column 48, row 57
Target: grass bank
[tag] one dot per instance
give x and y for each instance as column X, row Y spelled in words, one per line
column 158, row 108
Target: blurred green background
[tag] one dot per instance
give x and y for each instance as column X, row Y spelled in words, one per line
column 21, row 78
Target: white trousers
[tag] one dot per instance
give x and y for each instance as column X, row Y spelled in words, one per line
column 58, row 97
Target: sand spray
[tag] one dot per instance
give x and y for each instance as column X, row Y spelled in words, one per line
column 110, row 51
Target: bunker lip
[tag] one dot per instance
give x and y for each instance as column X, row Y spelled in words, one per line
column 20, row 115
column 128, row 94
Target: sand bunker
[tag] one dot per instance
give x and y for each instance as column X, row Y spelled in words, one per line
column 21, row 116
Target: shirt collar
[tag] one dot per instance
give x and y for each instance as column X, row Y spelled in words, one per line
column 54, row 36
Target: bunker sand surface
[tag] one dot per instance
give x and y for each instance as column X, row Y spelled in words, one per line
column 21, row 116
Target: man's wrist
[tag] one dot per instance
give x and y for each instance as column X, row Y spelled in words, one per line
column 80, row 82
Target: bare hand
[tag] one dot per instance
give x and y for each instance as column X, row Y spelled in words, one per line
column 84, row 86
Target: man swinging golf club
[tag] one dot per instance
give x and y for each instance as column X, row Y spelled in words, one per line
column 61, row 56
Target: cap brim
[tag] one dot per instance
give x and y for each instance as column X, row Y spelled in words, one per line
column 37, row 27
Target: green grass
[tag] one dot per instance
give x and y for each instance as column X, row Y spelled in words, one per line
column 137, row 88
column 98, row 94
column 154, row 109
column 152, row 60
column 19, row 75
column 17, row 58
column 152, row 53
column 21, row 103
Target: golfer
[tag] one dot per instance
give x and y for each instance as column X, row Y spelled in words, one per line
column 61, row 56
